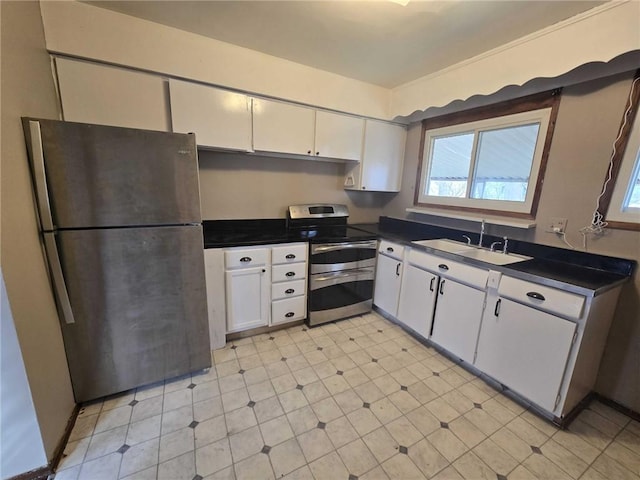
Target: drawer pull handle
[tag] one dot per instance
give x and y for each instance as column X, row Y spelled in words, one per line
column 443, row 267
column 264, row 271
column 431, row 284
column 245, row 259
column 289, row 291
column 290, row 274
column 290, row 256
column 289, row 314
column 389, row 249
column 441, row 287
column 536, row 295
column 398, row 270
column 496, row 311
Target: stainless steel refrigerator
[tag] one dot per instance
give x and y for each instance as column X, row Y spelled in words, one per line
column 119, row 210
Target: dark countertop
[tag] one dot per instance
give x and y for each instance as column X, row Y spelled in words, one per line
column 585, row 273
column 591, row 272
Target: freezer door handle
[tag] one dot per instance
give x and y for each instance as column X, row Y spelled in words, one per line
column 40, row 177
column 57, row 278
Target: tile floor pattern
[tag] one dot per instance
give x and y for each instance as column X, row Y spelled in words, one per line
column 358, row 399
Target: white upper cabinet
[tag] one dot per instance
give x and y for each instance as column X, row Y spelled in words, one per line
column 338, row 136
column 283, row 127
column 92, row 93
column 382, row 159
column 219, row 118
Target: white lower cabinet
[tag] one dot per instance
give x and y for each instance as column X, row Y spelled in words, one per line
column 417, row 299
column 386, row 293
column 456, row 322
column 264, row 285
column 526, row 350
column 247, row 298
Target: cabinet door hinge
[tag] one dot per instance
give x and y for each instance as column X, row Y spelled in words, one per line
column 557, row 401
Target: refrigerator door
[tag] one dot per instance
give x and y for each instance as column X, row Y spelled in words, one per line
column 99, row 176
column 139, row 304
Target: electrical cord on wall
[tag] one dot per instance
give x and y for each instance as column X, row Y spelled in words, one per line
column 598, row 224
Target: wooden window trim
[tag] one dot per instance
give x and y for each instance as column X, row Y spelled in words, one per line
column 633, row 103
column 537, row 101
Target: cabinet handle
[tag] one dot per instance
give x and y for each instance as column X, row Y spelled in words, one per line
column 245, row 259
column 441, row 285
column 496, row 311
column 264, row 271
column 317, row 153
column 398, row 270
column 290, row 256
column 289, row 314
column 389, row 249
column 290, row 274
column 443, row 267
column 536, row 295
column 431, row 284
column 289, row 291
column 308, row 152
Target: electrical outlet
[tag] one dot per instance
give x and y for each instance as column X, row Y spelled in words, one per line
column 556, row 225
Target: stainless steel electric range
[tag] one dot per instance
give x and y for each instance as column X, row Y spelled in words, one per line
column 342, row 261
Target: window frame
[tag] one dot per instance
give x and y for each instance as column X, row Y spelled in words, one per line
column 516, row 112
column 625, row 159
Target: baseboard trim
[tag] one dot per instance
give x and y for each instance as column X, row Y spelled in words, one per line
column 43, row 473
column 617, row 406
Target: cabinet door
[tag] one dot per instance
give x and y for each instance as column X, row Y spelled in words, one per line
column 248, row 298
column 219, row 118
column 526, row 350
column 282, row 127
column 457, row 319
column 103, row 95
column 338, row 136
column 382, row 159
column 388, row 280
column 417, row 299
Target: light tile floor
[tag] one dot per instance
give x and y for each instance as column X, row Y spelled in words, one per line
column 356, row 399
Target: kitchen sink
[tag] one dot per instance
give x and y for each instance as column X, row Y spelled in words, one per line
column 450, row 246
column 497, row 258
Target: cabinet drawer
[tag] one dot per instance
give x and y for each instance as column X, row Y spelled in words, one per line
column 390, row 249
column 541, row 297
column 475, row 277
column 288, row 289
column 245, row 257
column 295, row 271
column 288, row 310
column 290, row 253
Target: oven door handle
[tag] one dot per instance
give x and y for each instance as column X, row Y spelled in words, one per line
column 344, row 246
column 350, row 273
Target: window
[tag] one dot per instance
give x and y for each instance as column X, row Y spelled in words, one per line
column 621, row 191
column 487, row 159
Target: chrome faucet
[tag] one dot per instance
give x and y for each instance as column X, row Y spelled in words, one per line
column 481, row 233
column 467, row 238
column 493, row 246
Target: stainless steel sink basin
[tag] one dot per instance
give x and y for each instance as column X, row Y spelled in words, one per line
column 450, row 246
column 496, row 258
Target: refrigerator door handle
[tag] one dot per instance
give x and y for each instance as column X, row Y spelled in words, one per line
column 57, row 278
column 40, row 177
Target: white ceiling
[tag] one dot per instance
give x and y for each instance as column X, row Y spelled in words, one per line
column 378, row 42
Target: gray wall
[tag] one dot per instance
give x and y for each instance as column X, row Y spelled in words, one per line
column 587, row 124
column 250, row 186
column 21, row 447
column 27, row 90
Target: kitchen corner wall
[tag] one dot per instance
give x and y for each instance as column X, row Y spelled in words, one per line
column 234, row 186
column 27, row 90
column 587, row 124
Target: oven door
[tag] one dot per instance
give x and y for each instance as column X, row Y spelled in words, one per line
column 335, row 295
column 331, row 257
